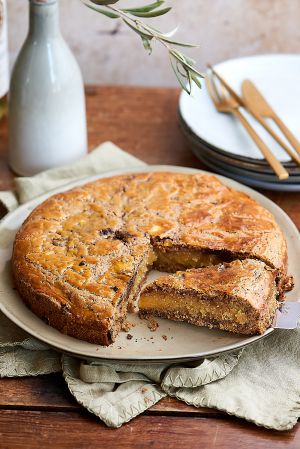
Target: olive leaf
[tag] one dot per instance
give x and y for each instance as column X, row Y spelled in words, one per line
column 106, row 13
column 105, row 2
column 146, row 8
column 138, row 30
column 196, row 80
column 179, row 44
column 167, row 35
column 179, row 75
column 151, row 13
column 147, row 44
column 182, row 65
column 187, row 62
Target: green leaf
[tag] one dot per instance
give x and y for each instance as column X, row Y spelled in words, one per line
column 170, row 33
column 189, row 60
column 177, row 55
column 181, row 58
column 180, row 44
column 190, row 80
column 179, row 67
column 159, row 33
column 147, row 44
column 138, row 30
column 166, row 36
column 104, row 2
column 195, row 71
column 186, row 75
column 177, row 74
column 156, row 13
column 145, row 8
column 105, row 12
column 196, row 80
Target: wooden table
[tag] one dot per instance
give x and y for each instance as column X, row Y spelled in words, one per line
column 40, row 412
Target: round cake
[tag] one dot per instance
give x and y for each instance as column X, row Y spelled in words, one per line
column 80, row 258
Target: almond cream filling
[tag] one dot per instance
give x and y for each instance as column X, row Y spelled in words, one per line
column 189, row 306
column 141, row 274
column 186, row 259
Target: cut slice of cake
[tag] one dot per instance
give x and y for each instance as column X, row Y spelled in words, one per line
column 238, row 297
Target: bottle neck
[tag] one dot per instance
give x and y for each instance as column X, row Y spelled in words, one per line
column 43, row 19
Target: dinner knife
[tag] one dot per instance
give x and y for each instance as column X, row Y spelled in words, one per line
column 260, row 109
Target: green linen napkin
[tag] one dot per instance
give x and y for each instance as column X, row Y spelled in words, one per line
column 260, row 383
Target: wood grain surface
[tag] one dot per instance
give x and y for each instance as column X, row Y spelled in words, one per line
column 40, row 412
column 36, row 430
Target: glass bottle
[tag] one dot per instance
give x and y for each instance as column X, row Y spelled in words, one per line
column 47, row 120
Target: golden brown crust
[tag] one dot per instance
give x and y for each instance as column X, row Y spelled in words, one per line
column 82, row 250
column 239, row 296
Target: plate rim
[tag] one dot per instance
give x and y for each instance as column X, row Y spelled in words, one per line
column 147, row 168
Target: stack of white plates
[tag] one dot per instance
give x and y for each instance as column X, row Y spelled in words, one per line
column 221, row 142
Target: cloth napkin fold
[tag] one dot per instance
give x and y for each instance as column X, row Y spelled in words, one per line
column 260, row 383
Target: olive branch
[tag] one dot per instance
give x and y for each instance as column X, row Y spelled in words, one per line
column 182, row 65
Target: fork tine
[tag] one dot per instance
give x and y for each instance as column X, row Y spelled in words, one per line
column 211, row 90
column 229, row 89
column 225, row 92
column 215, row 87
column 224, row 96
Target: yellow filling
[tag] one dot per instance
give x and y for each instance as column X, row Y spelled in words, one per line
column 187, row 259
column 191, row 306
column 143, row 269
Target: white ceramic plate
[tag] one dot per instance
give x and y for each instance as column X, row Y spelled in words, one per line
column 276, row 76
column 183, row 341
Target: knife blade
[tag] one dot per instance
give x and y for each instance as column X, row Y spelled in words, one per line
column 260, row 109
column 254, row 98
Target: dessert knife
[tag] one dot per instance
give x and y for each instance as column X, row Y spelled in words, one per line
column 287, row 316
column 260, row 109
